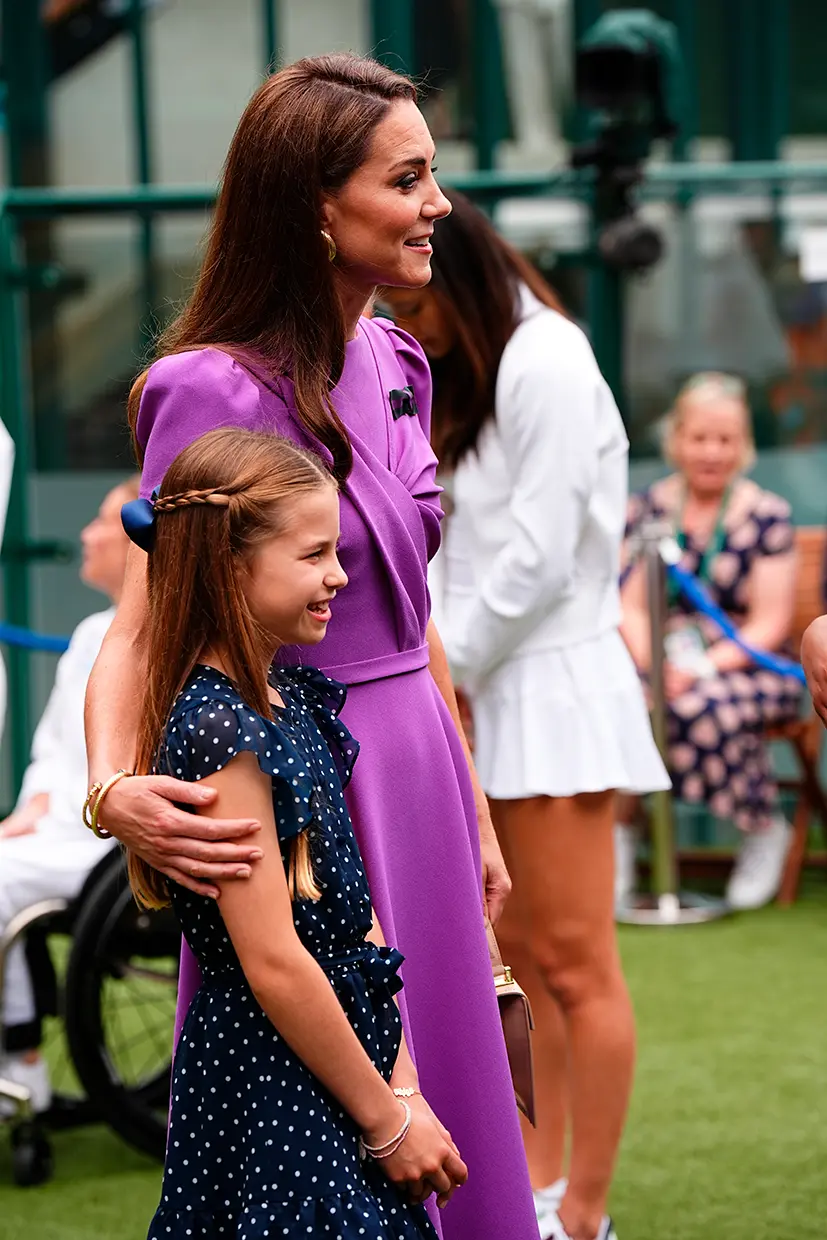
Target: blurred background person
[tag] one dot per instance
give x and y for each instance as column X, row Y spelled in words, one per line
column 45, row 850
column 739, row 541
column 526, row 423
column 6, row 467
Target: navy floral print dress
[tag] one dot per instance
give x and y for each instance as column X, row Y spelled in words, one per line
column 257, row 1146
column 717, row 754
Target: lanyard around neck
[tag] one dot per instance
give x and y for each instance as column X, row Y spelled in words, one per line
column 716, row 542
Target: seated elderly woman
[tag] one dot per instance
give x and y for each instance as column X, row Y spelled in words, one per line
column 738, row 540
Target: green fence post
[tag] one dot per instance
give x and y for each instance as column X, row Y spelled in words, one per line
column 776, row 75
column 27, row 75
column 757, row 45
column 685, row 17
column 392, row 38
column 143, row 169
column 270, row 30
column 488, row 85
column 15, row 413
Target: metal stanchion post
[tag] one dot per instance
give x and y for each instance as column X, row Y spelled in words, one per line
column 665, row 905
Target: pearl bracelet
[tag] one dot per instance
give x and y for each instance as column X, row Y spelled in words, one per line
column 407, row 1091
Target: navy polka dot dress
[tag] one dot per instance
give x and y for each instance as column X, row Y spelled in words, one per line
column 257, row 1146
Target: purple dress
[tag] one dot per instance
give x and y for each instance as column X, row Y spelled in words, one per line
column 410, row 797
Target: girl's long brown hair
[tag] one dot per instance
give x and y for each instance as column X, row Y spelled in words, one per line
column 477, row 279
column 221, row 497
column 266, row 285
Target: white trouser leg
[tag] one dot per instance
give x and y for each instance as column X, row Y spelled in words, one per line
column 32, row 868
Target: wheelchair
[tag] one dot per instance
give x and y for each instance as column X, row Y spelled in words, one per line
column 116, row 998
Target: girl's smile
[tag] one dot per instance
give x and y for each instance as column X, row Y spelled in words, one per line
column 293, row 577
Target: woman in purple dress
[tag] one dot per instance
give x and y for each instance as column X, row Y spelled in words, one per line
column 328, row 192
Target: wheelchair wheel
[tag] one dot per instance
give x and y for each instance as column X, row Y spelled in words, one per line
column 121, row 987
column 32, row 1161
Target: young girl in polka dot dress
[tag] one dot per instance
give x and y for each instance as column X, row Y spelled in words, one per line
column 295, row 1109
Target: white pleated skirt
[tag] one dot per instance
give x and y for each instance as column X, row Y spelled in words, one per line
column 564, row 721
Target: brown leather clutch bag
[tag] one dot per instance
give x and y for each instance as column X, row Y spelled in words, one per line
column 517, row 1022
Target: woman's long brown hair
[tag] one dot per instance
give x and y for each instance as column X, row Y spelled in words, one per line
column 221, row 497
column 477, row 279
column 266, row 285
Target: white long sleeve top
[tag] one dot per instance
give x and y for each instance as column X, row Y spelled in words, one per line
column 58, row 758
column 531, row 558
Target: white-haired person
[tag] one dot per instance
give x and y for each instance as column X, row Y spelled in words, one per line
column 738, row 540
column 45, row 850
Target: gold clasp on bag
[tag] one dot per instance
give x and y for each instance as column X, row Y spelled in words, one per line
column 506, row 978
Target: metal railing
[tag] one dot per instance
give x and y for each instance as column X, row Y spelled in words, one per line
column 678, row 183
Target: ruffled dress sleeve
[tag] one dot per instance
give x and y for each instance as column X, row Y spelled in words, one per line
column 324, row 699
column 412, row 458
column 203, row 737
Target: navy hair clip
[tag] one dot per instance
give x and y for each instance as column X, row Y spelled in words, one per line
column 138, row 519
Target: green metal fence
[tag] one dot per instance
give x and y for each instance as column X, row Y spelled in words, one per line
column 676, row 183
column 752, row 104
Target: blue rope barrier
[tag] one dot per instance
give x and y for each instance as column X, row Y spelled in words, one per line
column 11, row 635
column 696, row 593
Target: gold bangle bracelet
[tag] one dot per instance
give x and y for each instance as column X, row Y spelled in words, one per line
column 100, row 831
column 90, row 796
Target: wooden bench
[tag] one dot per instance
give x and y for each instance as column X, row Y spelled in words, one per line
column 805, row 735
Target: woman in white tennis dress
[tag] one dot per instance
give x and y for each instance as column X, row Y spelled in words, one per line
column 530, row 612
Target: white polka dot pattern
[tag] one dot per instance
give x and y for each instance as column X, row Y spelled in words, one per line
column 257, row 1147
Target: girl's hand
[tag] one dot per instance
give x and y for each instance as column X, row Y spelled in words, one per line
column 418, row 1103
column 194, row 851
column 425, row 1162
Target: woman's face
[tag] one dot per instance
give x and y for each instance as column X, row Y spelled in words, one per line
column 422, row 313
column 711, row 442
column 383, row 216
column 105, row 545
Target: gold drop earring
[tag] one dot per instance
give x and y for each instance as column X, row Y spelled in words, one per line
column 331, row 245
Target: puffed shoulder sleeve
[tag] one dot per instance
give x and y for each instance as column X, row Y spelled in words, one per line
column 413, row 459
column 186, row 395
column 205, row 737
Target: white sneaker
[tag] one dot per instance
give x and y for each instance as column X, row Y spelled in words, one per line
column 31, row 1076
column 759, row 867
column 546, row 1203
column 625, row 863
column 556, row 1231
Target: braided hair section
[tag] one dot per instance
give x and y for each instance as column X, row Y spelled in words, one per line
column 191, row 499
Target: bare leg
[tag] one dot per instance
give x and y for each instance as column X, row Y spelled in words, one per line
column 627, row 808
column 561, row 858
column 545, row 1144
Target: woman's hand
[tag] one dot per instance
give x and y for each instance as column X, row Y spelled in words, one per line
column 814, row 659
column 496, row 883
column 14, row 826
column 194, row 851
column 677, row 680
column 427, row 1161
column 23, row 821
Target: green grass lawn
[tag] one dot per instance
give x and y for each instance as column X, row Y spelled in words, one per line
column 727, row 1138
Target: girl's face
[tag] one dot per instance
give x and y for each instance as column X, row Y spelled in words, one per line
column 421, row 312
column 710, row 443
column 293, row 577
column 383, row 216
